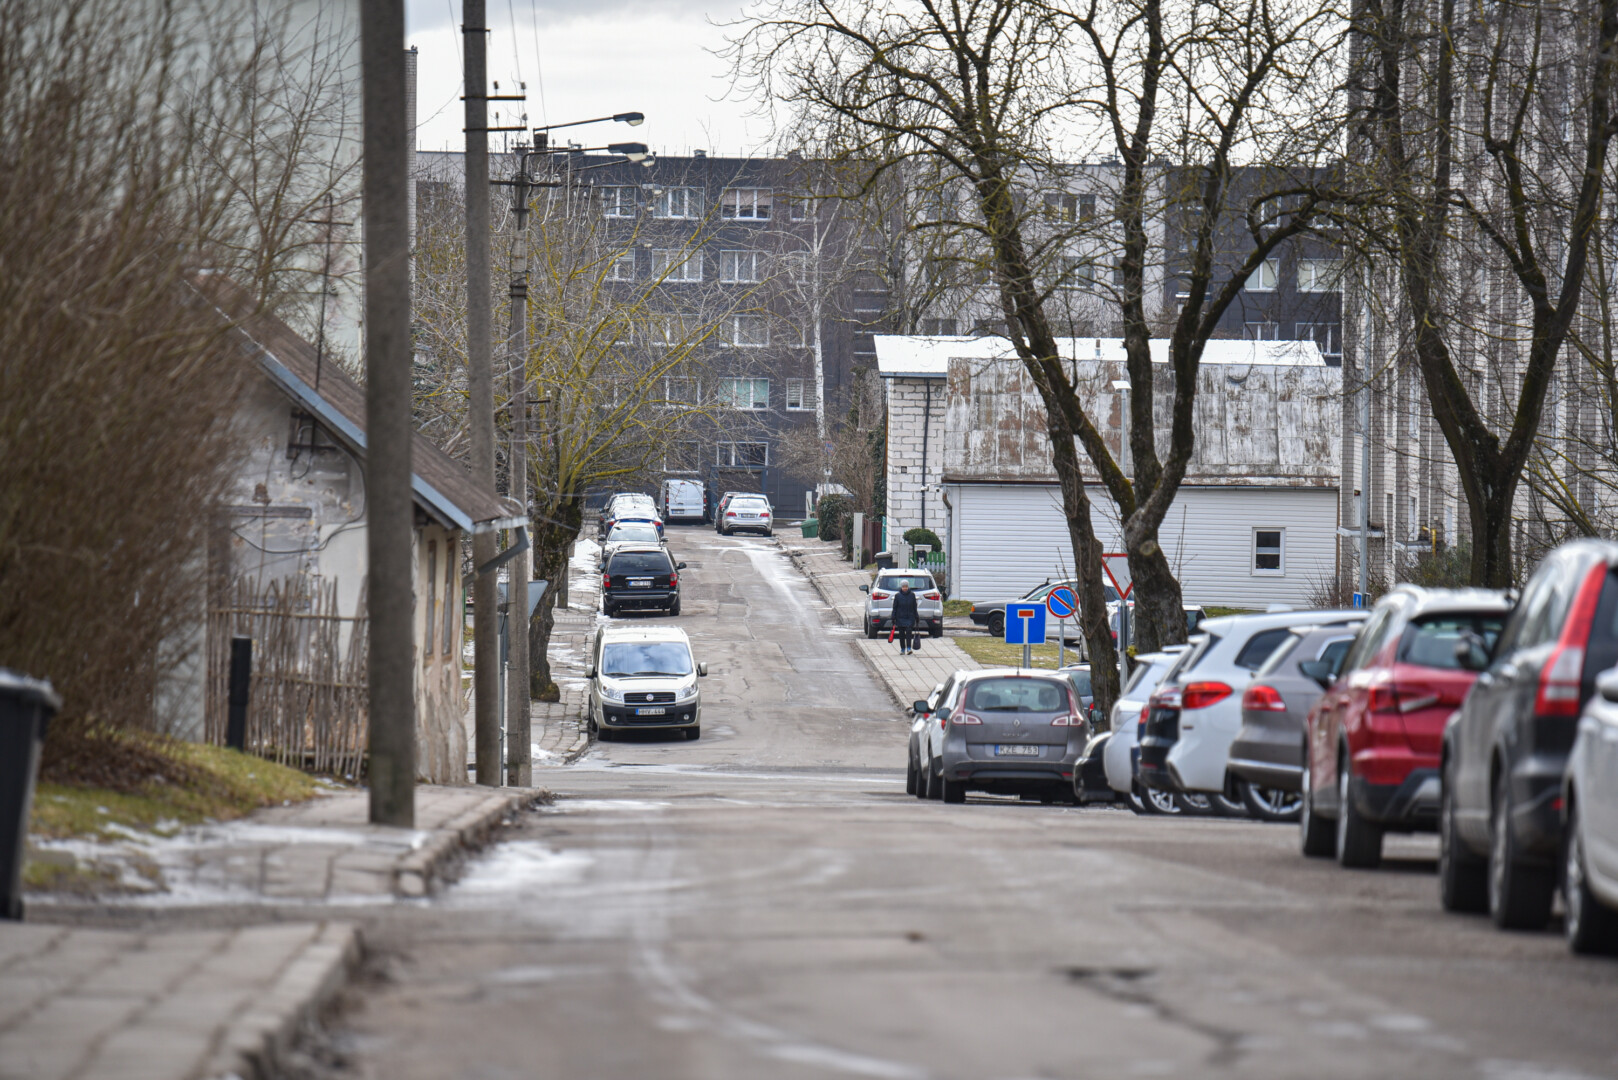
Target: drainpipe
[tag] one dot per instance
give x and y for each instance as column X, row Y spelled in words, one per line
column 926, row 426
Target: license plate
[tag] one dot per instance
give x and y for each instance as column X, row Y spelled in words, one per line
column 650, row 712
column 640, row 583
column 1014, row 750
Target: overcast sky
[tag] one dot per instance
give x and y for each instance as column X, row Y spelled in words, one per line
column 591, row 58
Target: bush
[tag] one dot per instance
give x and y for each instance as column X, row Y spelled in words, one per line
column 924, row 536
column 833, row 512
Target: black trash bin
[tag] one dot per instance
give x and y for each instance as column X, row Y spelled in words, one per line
column 884, row 560
column 26, row 706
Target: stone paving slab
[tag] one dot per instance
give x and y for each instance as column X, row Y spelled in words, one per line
column 91, row 1004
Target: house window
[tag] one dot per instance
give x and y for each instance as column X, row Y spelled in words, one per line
column 676, row 265
column 1087, row 207
column 678, row 202
column 1319, row 275
column 743, row 455
column 800, row 210
column 737, row 267
column 1077, row 273
column 1062, row 207
column 432, row 598
column 1328, row 335
column 748, row 331
column 1263, row 279
column 745, row 393
column 746, row 203
column 795, row 399
column 1261, row 331
column 450, row 612
column 623, row 268
column 618, row 202
column 681, row 390
column 1269, row 551
column 940, row 327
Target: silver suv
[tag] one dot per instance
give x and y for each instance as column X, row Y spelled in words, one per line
column 879, row 601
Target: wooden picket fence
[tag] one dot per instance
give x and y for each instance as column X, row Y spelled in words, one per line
column 308, row 701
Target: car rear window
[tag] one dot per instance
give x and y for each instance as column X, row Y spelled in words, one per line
column 918, row 582
column 1430, row 641
column 1259, row 647
column 640, row 562
column 1019, row 695
column 632, row 532
column 1080, row 681
column 1278, row 657
column 1199, row 649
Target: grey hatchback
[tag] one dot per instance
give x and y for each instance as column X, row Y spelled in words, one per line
column 1007, row 731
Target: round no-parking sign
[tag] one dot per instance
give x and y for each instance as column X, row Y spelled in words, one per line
column 1061, row 602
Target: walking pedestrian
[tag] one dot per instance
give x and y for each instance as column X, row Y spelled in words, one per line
column 904, row 618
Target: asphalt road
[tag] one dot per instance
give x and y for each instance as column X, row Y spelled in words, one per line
column 767, row 902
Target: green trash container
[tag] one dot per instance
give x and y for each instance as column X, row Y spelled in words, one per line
column 811, row 528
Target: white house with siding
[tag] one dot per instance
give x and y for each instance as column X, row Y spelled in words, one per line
column 1254, row 523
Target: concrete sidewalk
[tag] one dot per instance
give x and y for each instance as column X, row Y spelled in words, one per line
column 837, row 582
column 188, row 1005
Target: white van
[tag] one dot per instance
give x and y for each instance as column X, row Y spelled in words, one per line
column 682, row 501
column 643, row 678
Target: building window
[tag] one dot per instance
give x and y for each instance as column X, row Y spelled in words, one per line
column 795, row 398
column 681, row 390
column 743, row 455
column 1087, row 207
column 1319, row 275
column 432, row 598
column 746, row 203
column 745, row 393
column 677, row 265
column 1077, row 273
column 1063, row 207
column 800, row 210
column 683, row 457
column 940, row 327
column 623, row 268
column 1261, row 331
column 678, row 202
column 748, row 331
column 738, row 267
column 1328, row 335
column 618, row 202
column 1264, row 278
column 1269, row 551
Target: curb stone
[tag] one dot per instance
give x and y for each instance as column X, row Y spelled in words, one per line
column 419, row 871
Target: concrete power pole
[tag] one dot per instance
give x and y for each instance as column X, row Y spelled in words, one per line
column 480, row 392
column 390, row 591
column 519, row 748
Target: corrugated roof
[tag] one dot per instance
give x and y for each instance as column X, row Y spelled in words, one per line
column 442, row 486
column 915, row 356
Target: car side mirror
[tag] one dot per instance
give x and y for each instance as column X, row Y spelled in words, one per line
column 679, row 566
column 702, row 671
column 589, row 671
column 1320, row 671
column 865, row 588
column 1607, row 684
column 918, row 707
column 943, row 714
column 1470, row 653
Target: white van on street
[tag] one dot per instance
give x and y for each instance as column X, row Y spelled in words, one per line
column 682, row 500
column 643, row 679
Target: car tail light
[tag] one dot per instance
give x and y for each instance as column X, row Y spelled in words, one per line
column 965, row 718
column 1559, row 682
column 730, row 513
column 606, row 581
column 1262, row 698
column 880, row 595
column 932, row 596
column 1067, row 720
column 765, row 514
column 1200, row 695
column 674, row 579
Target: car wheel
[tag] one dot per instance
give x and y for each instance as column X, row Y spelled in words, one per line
column 608, row 610
column 1194, row 805
column 603, row 734
column 1463, row 883
column 997, row 624
column 1224, row 806
column 1316, row 837
column 1162, row 802
column 1138, row 802
column 1271, row 804
column 870, row 629
column 935, row 781
column 1359, row 842
column 1519, row 894
column 953, row 790
column 692, row 734
column 911, row 775
column 674, row 608
column 935, row 629
column 1592, row 927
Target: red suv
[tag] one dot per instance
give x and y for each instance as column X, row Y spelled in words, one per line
column 1373, row 740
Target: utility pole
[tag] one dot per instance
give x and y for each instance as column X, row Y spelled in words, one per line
column 480, row 392
column 519, row 748
column 390, row 575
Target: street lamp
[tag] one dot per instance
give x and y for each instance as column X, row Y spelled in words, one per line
column 633, row 119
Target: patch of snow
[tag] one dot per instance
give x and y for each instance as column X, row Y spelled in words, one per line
column 518, row 866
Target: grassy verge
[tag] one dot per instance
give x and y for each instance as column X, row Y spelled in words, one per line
column 227, row 785
column 1214, row 611
column 957, row 607
column 992, row 652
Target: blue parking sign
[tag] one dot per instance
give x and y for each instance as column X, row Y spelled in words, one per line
column 1025, row 624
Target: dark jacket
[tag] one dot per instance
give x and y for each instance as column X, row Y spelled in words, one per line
column 904, row 607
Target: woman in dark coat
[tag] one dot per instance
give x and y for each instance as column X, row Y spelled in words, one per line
column 905, row 617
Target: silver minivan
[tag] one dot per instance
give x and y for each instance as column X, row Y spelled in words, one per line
column 879, row 601
column 643, row 679
column 1007, row 731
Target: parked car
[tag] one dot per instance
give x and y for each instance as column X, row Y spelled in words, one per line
column 1266, row 760
column 1590, row 825
column 921, row 715
column 1505, row 751
column 746, row 512
column 1195, row 715
column 629, row 534
column 1194, row 614
column 724, row 500
column 1006, row 731
column 683, row 500
column 630, row 506
column 643, row 679
column 1079, row 676
column 879, row 601
column 641, row 577
column 1090, row 772
column 1121, row 754
column 992, row 616
column 1372, row 743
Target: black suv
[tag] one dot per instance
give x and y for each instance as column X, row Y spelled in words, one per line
column 1506, row 749
column 641, row 578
